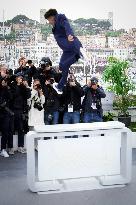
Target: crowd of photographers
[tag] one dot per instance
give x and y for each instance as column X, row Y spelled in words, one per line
column 27, row 99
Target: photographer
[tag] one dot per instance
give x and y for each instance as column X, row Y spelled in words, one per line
column 6, row 73
column 46, row 69
column 92, row 107
column 52, row 102
column 36, row 102
column 21, row 92
column 32, row 72
column 22, row 66
column 72, row 94
column 6, row 119
column 27, row 71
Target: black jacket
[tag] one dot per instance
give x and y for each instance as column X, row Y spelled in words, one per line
column 5, row 99
column 52, row 99
column 32, row 73
column 28, row 73
column 23, row 70
column 42, row 76
column 72, row 95
column 20, row 95
column 93, row 96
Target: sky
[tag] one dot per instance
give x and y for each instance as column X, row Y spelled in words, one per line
column 124, row 10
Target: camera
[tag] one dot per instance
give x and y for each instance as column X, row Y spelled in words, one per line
column 70, row 80
column 45, row 61
column 38, row 106
column 94, row 81
column 51, row 81
column 39, row 87
column 43, row 65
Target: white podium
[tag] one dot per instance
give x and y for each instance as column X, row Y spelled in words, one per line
column 101, row 160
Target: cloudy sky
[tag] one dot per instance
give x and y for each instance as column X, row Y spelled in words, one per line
column 124, row 10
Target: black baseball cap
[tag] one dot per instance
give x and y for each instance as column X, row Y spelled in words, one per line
column 46, row 61
column 94, row 80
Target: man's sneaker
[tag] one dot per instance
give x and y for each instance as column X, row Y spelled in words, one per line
column 4, row 153
column 11, row 151
column 55, row 86
column 21, row 150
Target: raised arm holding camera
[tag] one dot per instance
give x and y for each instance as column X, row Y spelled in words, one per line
column 92, row 106
column 46, row 69
column 52, row 102
column 71, row 98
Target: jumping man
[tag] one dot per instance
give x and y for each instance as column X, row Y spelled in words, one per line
column 68, row 42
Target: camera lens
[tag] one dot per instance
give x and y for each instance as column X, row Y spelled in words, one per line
column 38, row 86
column 42, row 66
column 51, row 81
column 47, row 64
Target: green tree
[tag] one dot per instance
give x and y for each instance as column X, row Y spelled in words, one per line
column 92, row 21
column 20, row 19
column 116, row 74
column 114, row 33
column 105, row 25
column 81, row 21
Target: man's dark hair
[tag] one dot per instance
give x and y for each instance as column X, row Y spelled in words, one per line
column 29, row 61
column 50, row 12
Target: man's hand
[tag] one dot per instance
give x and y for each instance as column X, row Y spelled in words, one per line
column 47, row 82
column 94, row 87
column 4, row 84
column 70, row 38
column 25, row 83
column 89, row 84
column 40, row 92
column 72, row 84
column 20, row 81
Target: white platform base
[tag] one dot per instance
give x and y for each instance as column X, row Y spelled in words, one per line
column 85, row 184
column 102, row 160
column 110, row 180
